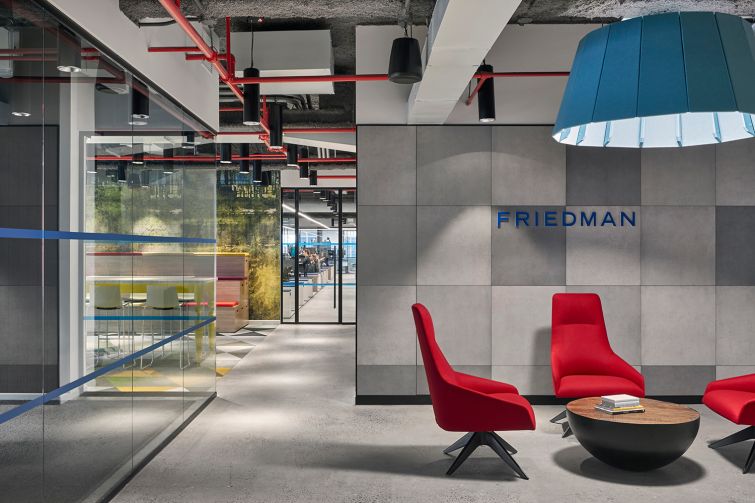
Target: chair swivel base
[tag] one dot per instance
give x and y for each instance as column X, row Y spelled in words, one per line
column 740, row 436
column 473, row 440
column 564, row 426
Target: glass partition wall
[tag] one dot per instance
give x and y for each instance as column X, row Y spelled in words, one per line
column 318, row 255
column 107, row 274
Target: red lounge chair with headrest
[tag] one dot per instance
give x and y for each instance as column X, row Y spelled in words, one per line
column 582, row 361
column 470, row 404
column 734, row 399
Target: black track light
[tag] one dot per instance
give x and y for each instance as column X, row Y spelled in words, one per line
column 225, row 153
column 486, row 96
column 405, row 65
column 251, row 99
column 69, row 51
column 275, row 123
column 256, row 171
column 121, row 172
column 139, row 104
column 313, row 177
column 292, row 155
column 244, row 163
column 168, row 161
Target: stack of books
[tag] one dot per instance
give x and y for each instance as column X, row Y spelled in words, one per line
column 619, row 404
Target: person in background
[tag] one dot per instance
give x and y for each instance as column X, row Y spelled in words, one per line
column 328, row 248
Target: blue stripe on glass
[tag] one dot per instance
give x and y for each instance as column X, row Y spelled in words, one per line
column 41, row 400
column 147, row 318
column 307, row 283
column 13, row 233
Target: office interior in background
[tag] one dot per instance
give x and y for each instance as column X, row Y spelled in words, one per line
column 377, row 250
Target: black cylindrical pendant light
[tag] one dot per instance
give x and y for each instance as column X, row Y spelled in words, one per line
column 486, row 96
column 138, row 153
column 244, row 163
column 225, row 153
column 313, row 177
column 69, row 51
column 251, row 99
column 257, row 171
column 139, row 104
column 292, row 155
column 191, row 139
column 275, row 123
column 303, row 170
column 144, row 177
column 405, row 65
column 266, row 179
column 168, row 161
column 121, row 172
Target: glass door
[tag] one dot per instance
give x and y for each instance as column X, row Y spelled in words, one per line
column 318, row 271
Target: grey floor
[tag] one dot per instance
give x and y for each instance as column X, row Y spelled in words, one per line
column 284, row 429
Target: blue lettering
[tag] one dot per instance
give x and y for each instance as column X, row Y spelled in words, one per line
column 585, row 221
column 608, row 219
column 550, row 219
column 568, row 214
column 522, row 216
column 503, row 216
column 625, row 217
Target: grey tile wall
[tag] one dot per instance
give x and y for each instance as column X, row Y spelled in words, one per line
column 678, row 245
column 453, row 165
column 679, row 176
column 526, row 171
column 453, row 245
column 527, row 255
column 677, row 289
column 603, row 255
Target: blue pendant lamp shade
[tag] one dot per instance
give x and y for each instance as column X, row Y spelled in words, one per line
column 667, row 80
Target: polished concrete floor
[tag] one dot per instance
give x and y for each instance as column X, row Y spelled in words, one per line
column 284, row 429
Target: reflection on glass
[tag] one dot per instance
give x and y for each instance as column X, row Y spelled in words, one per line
column 139, row 175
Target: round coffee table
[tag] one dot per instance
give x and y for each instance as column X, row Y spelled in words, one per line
column 638, row 441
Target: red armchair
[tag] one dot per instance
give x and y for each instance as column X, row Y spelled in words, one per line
column 582, row 361
column 471, row 404
column 734, row 399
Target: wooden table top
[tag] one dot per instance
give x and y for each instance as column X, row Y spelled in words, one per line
column 656, row 412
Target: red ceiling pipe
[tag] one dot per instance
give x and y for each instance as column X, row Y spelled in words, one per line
column 173, row 49
column 295, row 131
column 26, row 50
column 320, row 130
column 212, row 56
column 327, row 160
column 202, row 57
column 311, row 78
column 231, row 109
column 482, row 77
column 189, row 158
column 27, row 58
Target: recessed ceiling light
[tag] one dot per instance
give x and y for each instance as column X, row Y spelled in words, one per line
column 21, row 114
column 69, row 68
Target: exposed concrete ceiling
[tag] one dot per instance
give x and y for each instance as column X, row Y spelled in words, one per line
column 341, row 17
column 576, row 11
